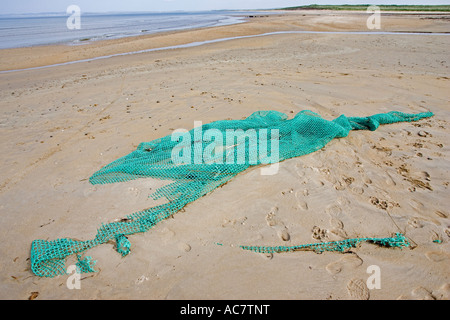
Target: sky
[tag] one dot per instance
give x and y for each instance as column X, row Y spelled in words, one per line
column 37, row 6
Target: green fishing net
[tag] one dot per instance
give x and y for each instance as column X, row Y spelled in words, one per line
column 397, row 241
column 198, row 161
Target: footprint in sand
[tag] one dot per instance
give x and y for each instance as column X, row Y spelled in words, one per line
column 421, row 293
column 437, row 256
column 357, row 190
column 336, row 223
column 357, row 289
column 183, row 246
column 366, row 179
column 301, row 203
column 436, row 237
column 274, row 222
column 441, row 214
column 333, row 210
column 443, row 293
column 338, row 228
column 389, row 180
column 283, row 234
column 340, row 186
column 167, row 234
column 300, row 170
column 343, row 183
column 417, row 205
column 343, row 201
column 271, row 217
column 345, row 263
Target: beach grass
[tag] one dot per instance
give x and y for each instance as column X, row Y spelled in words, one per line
column 362, row 7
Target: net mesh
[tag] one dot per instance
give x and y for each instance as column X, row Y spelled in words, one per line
column 202, row 159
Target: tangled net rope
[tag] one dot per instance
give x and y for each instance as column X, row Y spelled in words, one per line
column 398, row 241
column 197, row 168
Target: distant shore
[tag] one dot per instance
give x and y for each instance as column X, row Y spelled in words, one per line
column 289, row 20
column 59, row 125
column 404, row 8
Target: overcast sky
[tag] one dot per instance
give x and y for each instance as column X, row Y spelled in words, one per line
column 37, row 6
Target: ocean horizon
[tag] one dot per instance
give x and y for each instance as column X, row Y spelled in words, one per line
column 26, row 30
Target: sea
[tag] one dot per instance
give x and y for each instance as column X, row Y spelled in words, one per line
column 27, row 30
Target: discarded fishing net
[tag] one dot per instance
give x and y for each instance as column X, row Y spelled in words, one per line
column 398, row 241
column 200, row 160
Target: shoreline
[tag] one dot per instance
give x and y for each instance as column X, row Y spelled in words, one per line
column 28, row 58
column 201, row 43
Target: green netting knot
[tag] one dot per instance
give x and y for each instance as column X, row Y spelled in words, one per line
column 398, row 241
column 85, row 265
column 122, row 245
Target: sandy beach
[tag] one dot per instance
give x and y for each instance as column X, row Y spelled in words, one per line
column 61, row 124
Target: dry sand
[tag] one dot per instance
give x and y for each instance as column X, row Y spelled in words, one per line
column 59, row 125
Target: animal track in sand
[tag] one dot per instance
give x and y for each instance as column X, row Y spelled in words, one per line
column 273, row 222
column 319, row 233
column 343, row 183
column 357, row 289
column 340, row 186
column 415, row 178
column 415, row 222
column 347, row 262
column 383, row 204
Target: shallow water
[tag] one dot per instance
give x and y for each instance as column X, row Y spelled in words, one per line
column 44, row 29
